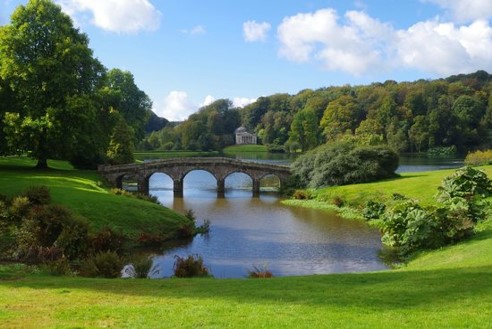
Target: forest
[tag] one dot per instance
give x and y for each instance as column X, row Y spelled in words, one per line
column 442, row 116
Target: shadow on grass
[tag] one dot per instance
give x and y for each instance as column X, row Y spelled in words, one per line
column 378, row 290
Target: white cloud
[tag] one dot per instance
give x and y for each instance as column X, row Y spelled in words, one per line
column 254, row 31
column 466, row 10
column 242, row 101
column 196, row 30
column 121, row 16
column 358, row 44
column 209, row 99
column 444, row 48
column 176, row 106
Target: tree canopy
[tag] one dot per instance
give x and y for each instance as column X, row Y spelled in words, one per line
column 57, row 99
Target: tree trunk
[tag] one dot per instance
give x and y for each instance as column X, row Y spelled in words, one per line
column 42, row 164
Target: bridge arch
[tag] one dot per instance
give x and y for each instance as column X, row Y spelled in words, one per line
column 177, row 169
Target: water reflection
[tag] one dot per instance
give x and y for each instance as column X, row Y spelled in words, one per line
column 248, row 231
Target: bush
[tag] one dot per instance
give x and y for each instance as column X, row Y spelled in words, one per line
column 442, row 151
column 107, row 240
column 191, row 266
column 471, row 185
column 338, row 201
column 302, row 195
column 19, row 209
column 49, row 226
column 260, row 273
column 409, row 227
column 373, row 210
column 103, row 264
column 144, row 268
column 343, row 163
column 38, row 195
column 479, row 158
column 146, row 239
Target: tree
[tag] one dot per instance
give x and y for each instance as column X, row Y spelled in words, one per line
column 418, row 133
column 45, row 61
column 122, row 94
column 340, row 116
column 121, row 147
column 304, row 129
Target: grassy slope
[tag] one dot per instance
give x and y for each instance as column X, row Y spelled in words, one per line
column 448, row 288
column 420, row 186
column 81, row 192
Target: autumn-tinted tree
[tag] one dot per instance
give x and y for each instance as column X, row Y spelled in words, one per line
column 46, row 62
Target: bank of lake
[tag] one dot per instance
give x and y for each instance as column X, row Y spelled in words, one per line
column 450, row 287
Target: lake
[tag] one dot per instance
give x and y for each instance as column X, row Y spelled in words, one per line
column 247, row 232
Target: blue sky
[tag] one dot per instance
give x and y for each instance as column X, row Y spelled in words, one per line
column 186, row 53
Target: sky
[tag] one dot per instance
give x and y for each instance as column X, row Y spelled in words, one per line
column 185, row 54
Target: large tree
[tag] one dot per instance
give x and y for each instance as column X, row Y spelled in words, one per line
column 122, row 94
column 47, row 63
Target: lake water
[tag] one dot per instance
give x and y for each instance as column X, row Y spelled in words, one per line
column 261, row 232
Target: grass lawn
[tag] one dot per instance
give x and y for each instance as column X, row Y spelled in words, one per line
column 81, row 191
column 421, row 186
column 244, row 149
column 447, row 288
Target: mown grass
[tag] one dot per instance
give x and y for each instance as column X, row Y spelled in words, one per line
column 421, row 186
column 233, row 149
column 447, row 288
column 82, row 192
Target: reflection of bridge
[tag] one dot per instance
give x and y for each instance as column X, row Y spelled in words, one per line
column 177, row 169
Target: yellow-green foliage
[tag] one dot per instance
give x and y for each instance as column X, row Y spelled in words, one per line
column 479, row 158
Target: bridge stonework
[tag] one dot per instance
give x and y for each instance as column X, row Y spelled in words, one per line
column 178, row 168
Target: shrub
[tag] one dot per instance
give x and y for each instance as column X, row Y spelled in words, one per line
column 147, row 239
column 107, row 240
column 338, row 201
column 191, row 266
column 38, row 195
column 373, row 210
column 50, row 226
column 302, row 195
column 60, row 267
column 260, row 272
column 20, row 208
column 144, row 268
column 103, row 264
column 343, row 163
column 442, row 151
column 408, row 227
column 471, row 185
column 479, row 158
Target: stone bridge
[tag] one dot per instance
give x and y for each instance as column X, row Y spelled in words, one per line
column 178, row 168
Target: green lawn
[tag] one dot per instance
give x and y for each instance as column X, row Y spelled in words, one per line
column 421, row 186
column 244, row 149
column 81, row 191
column 447, row 288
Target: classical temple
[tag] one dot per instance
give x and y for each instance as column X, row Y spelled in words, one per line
column 244, row 137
